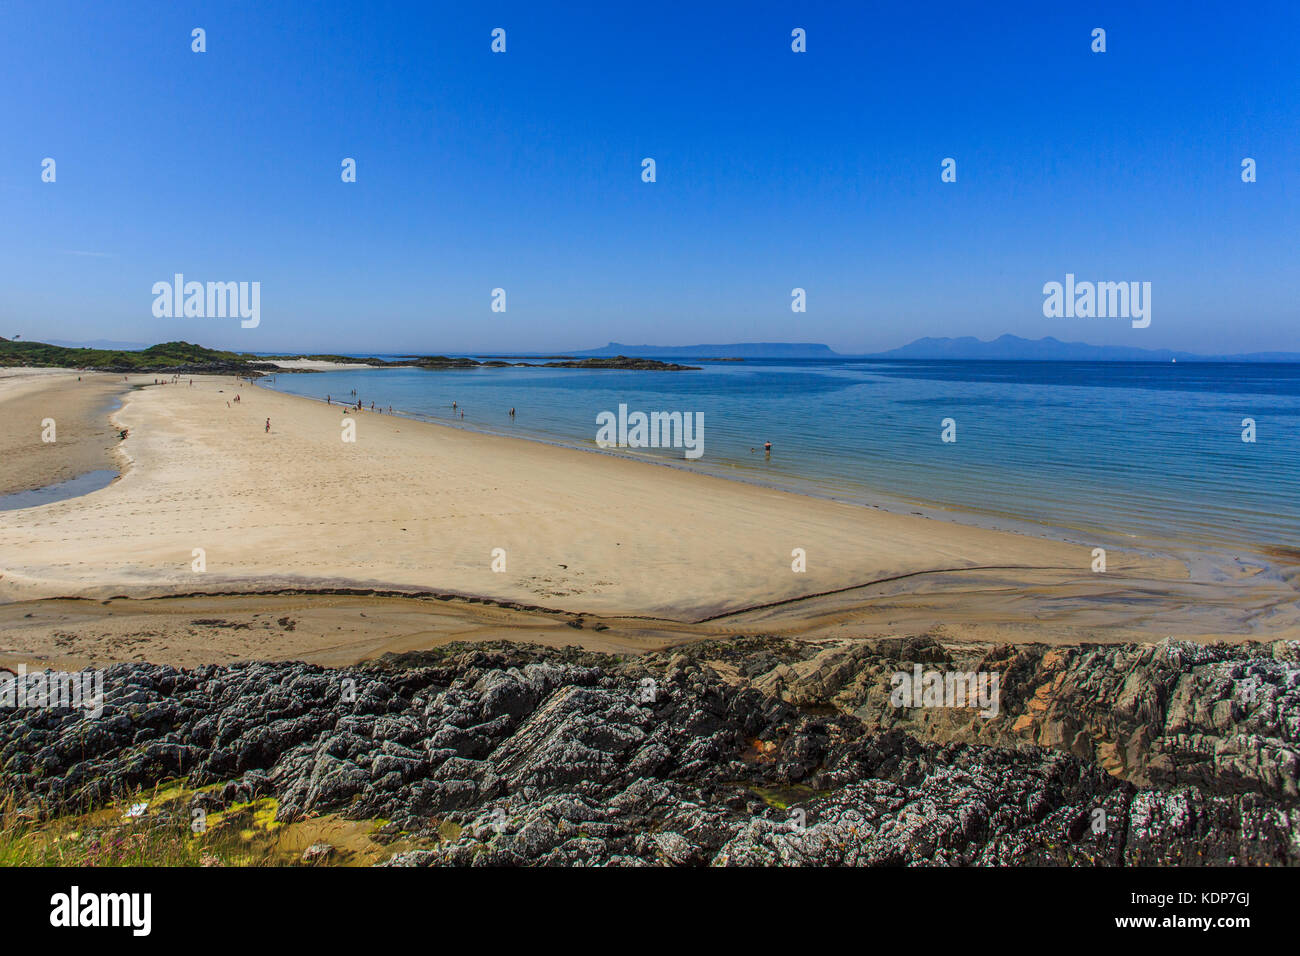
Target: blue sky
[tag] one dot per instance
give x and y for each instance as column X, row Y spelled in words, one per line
column 522, row 170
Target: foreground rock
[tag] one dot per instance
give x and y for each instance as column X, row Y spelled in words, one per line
column 748, row 752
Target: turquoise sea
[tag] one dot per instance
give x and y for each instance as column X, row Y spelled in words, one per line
column 1130, row 452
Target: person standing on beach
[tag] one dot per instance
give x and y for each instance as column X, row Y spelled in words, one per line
column 327, row 400
column 268, row 426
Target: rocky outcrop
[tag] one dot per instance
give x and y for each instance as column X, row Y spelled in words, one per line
column 746, row 752
column 1224, row 717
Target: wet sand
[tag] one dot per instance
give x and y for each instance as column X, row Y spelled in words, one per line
column 85, row 440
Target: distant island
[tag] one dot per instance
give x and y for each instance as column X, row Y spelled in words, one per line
column 729, row 353
column 185, row 357
column 1007, row 348
column 1010, row 348
column 1014, row 348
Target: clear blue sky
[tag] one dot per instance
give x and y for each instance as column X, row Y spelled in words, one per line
column 775, row 170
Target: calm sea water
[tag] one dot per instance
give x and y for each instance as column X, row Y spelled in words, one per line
column 1150, row 453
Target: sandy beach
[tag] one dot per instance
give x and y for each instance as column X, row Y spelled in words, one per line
column 597, row 550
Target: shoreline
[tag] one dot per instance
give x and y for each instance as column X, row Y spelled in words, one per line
column 85, row 438
column 1205, row 559
column 707, row 556
column 1193, row 553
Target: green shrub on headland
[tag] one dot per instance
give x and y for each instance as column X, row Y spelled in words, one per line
column 169, row 355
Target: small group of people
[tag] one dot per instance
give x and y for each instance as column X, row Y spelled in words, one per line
column 455, row 407
column 329, row 400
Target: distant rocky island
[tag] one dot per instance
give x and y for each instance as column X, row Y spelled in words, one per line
column 185, row 358
column 735, row 352
column 1013, row 348
column 616, row 362
column 1004, row 348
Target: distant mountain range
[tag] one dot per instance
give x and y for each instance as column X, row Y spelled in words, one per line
column 1014, row 348
column 1009, row 348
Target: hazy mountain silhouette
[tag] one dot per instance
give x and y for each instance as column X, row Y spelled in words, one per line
column 1014, row 348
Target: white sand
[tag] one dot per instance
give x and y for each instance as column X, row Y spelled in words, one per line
column 650, row 555
column 417, row 505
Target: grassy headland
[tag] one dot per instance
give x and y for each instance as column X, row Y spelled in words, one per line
column 185, row 357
